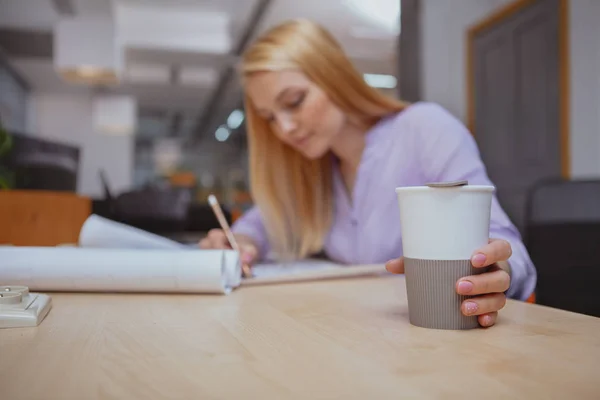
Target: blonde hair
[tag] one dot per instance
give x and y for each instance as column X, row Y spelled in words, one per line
column 293, row 193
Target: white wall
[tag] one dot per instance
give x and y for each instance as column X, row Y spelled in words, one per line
column 68, row 118
column 584, row 43
column 443, row 56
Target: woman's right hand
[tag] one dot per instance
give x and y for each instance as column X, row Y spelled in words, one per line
column 216, row 239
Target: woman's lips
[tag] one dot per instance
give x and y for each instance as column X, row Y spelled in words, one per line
column 302, row 141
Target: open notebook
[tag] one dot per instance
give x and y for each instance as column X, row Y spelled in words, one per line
column 307, row 270
column 114, row 257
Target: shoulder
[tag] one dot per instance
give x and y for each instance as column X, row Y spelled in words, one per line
column 423, row 124
column 432, row 135
column 422, row 108
column 423, row 115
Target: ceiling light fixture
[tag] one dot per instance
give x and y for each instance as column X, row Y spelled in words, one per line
column 85, row 51
column 147, row 73
column 381, row 81
column 235, row 119
column 115, row 114
column 182, row 27
column 222, row 133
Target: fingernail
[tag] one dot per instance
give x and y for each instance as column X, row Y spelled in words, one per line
column 465, row 286
column 478, row 259
column 486, row 320
column 470, row 307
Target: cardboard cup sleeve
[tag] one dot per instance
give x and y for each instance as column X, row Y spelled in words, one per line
column 431, row 293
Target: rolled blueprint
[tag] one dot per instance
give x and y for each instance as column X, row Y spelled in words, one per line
column 76, row 269
column 114, row 257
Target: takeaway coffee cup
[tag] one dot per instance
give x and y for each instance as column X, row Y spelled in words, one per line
column 442, row 224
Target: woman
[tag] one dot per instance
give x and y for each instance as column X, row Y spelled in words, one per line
column 327, row 152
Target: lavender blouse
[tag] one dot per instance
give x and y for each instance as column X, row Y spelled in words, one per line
column 423, row 143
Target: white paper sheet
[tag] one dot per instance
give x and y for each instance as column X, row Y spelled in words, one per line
column 308, row 270
column 265, row 270
column 114, row 257
column 101, row 232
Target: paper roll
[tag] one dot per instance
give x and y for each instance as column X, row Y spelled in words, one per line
column 119, row 270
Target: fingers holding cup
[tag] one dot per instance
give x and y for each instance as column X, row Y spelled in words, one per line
column 488, row 288
column 495, row 280
column 395, row 266
column 485, row 304
column 487, row 320
column 497, row 250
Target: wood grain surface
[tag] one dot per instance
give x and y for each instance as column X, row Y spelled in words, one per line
column 345, row 339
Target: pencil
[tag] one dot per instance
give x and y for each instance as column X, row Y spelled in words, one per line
column 216, row 207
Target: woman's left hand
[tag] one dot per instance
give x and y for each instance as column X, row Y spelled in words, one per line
column 487, row 288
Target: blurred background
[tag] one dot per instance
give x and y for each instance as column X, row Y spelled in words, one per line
column 146, row 93
column 135, row 106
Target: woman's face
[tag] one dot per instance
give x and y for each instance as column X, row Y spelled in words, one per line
column 298, row 111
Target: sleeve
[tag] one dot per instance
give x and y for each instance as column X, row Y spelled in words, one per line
column 449, row 152
column 251, row 224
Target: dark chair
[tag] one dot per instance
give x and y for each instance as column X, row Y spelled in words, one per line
column 155, row 210
column 201, row 218
column 562, row 234
column 162, row 210
column 40, row 164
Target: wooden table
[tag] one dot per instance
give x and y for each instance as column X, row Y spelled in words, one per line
column 345, row 339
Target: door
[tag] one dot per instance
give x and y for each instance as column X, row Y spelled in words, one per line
column 515, row 107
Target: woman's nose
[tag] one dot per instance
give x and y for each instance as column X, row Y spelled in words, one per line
column 287, row 125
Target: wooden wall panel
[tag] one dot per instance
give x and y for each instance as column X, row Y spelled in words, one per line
column 41, row 218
